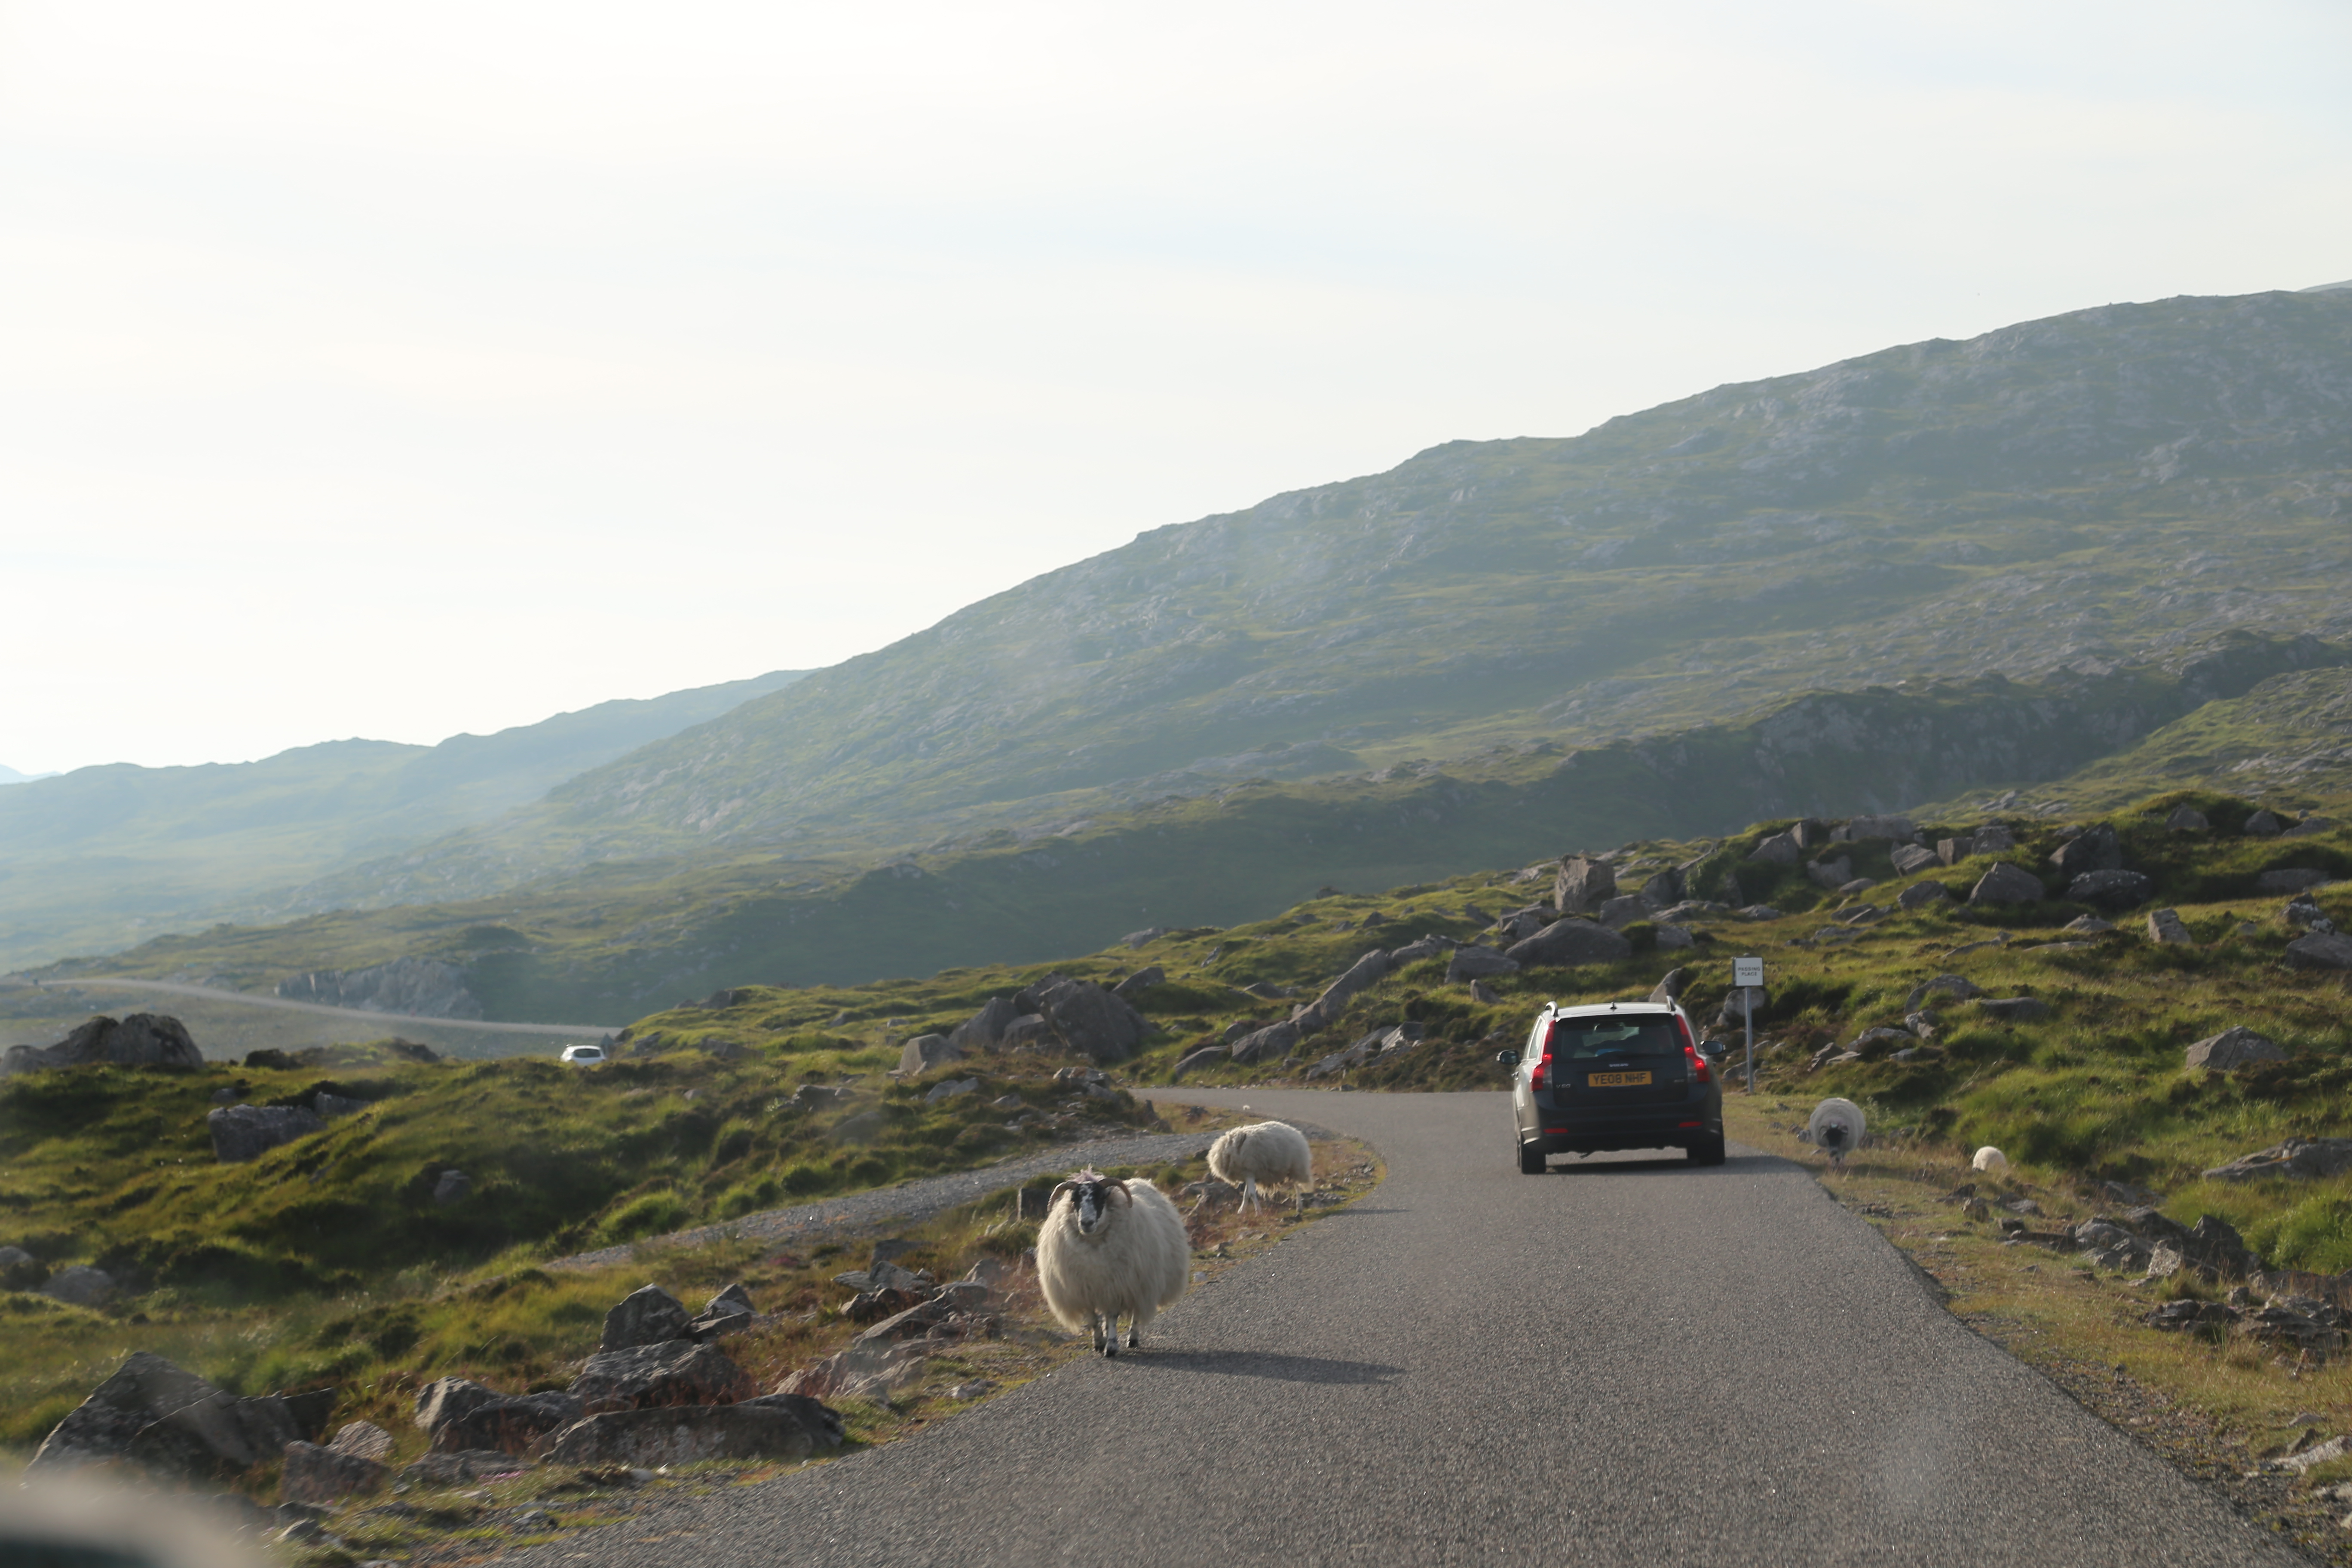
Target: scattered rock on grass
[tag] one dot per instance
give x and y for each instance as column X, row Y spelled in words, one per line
column 160, row 1418
column 646, row 1316
column 79, row 1285
column 677, row 1372
column 19, row 1270
column 243, row 1132
column 2302, row 1159
column 2006, row 884
column 510, row 1424
column 1958, row 987
column 924, row 1052
column 2320, row 950
column 1919, row 895
column 2166, row 928
column 2233, row 1048
column 771, row 1427
column 1566, row 943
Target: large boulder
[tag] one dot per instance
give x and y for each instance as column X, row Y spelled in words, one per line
column 2233, row 1048
column 1960, row 988
column 1663, row 890
column 1565, row 943
column 365, row 1439
column 1672, row 988
column 645, row 1316
column 924, row 1052
column 1993, row 838
column 243, row 1132
column 2320, row 950
column 1623, row 910
column 19, row 1270
column 984, row 1030
column 141, row 1040
column 1831, row 874
column 1092, row 1021
column 1910, row 858
column 771, row 1426
column 79, row 1285
column 679, row 1371
column 1582, row 885
column 1475, row 963
column 510, row 1425
column 2005, row 884
column 2187, row 819
column 1781, row 849
column 1325, row 1010
column 153, row 1415
column 1141, row 981
column 446, row 1399
column 2092, row 849
column 1919, row 895
column 2110, row 890
column 312, row 1474
column 1207, row 1056
column 1739, row 1004
column 1272, row 1043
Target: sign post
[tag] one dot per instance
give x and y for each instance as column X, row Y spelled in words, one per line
column 1747, row 975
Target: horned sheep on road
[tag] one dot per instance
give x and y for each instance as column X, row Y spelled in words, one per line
column 1109, row 1247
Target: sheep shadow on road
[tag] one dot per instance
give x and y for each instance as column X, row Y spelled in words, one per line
column 1264, row 1363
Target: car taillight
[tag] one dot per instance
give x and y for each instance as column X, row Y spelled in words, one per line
column 1536, row 1078
column 1699, row 1069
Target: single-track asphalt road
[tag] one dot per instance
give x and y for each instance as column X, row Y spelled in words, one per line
column 1627, row 1361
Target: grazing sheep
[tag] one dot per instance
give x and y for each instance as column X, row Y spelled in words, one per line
column 1107, row 1247
column 1272, row 1153
column 1988, row 1159
column 1836, row 1127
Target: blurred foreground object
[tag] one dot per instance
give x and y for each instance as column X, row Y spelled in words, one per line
column 77, row 1521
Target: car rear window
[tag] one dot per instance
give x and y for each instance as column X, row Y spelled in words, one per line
column 1644, row 1036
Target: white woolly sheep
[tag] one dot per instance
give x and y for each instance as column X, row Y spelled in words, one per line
column 1110, row 1248
column 1988, row 1159
column 1270, row 1153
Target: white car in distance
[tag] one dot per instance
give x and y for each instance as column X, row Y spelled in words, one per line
column 584, row 1055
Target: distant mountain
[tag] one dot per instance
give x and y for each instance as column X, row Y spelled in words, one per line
column 2086, row 507
column 9, row 775
column 93, row 857
column 2115, row 485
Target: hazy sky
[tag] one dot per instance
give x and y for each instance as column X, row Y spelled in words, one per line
column 399, row 369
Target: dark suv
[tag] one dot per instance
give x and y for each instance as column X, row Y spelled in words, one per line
column 1619, row 1075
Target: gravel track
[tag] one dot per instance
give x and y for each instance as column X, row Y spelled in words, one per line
column 855, row 1214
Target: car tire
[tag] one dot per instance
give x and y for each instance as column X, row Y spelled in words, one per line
column 1707, row 1152
column 1531, row 1160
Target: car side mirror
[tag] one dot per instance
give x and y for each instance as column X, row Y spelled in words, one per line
column 1507, row 1059
column 1713, row 1049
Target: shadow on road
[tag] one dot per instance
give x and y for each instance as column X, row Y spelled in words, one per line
column 1261, row 1363
column 1604, row 1164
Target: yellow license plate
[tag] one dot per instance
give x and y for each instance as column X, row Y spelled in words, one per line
column 1616, row 1079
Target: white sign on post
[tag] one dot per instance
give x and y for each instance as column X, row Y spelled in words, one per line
column 1747, row 978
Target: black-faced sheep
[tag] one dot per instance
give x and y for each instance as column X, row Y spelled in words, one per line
column 1110, row 1248
column 1263, row 1154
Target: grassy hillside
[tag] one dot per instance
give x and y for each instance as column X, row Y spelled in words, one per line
column 2047, row 497
column 91, row 858
column 608, row 945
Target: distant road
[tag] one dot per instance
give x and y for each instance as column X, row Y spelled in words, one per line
column 213, row 994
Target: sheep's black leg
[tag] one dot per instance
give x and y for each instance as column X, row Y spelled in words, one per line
column 1134, row 1333
column 1095, row 1328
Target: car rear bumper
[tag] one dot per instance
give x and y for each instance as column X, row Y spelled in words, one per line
column 1667, row 1127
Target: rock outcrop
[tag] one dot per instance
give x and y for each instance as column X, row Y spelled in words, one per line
column 1582, row 885
column 153, row 1414
column 768, row 1426
column 243, row 1132
column 2006, row 884
column 413, row 988
column 1565, row 943
column 141, row 1040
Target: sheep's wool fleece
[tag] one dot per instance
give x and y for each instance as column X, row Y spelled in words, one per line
column 1136, row 1264
column 1275, row 1152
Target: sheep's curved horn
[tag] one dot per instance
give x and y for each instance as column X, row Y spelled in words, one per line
column 1055, row 1195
